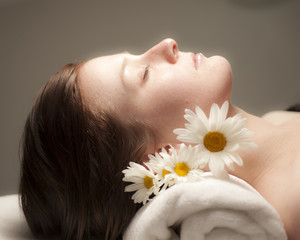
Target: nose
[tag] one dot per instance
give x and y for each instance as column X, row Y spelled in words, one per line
column 166, row 49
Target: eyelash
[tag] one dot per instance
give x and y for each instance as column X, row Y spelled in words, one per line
column 146, row 73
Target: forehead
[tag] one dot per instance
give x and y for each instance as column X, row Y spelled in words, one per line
column 100, row 79
column 101, row 63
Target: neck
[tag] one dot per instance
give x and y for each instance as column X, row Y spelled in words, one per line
column 272, row 169
column 259, row 161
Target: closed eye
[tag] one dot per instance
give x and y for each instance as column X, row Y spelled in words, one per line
column 146, row 73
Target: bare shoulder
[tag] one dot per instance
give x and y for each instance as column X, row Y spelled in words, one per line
column 286, row 173
column 282, row 117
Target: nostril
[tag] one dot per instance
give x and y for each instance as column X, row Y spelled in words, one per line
column 175, row 50
column 169, row 49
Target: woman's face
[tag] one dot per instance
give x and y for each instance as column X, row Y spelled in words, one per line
column 158, row 85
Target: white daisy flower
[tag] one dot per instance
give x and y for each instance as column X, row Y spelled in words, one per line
column 173, row 167
column 144, row 182
column 216, row 137
column 157, row 162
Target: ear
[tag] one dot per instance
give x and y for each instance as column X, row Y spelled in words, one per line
column 146, row 159
column 176, row 146
column 153, row 151
column 168, row 147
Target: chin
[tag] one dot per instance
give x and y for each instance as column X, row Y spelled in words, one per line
column 221, row 63
column 222, row 78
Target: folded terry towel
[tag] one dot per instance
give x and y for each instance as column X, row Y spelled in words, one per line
column 13, row 225
column 210, row 209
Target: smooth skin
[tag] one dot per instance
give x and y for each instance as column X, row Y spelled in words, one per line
column 158, row 85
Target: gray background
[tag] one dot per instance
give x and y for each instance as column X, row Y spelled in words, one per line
column 260, row 38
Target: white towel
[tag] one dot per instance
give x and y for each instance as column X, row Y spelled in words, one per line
column 13, row 225
column 210, row 209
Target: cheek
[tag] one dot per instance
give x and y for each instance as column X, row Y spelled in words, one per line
column 163, row 109
column 163, row 101
column 165, row 92
column 177, row 92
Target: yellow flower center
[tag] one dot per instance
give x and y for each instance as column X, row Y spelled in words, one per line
column 148, row 181
column 165, row 172
column 214, row 141
column 182, row 169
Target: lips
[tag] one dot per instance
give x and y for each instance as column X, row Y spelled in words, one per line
column 198, row 59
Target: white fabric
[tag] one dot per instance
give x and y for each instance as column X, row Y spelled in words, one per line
column 211, row 209
column 12, row 222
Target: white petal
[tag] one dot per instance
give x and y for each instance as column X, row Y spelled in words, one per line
column 191, row 119
column 134, row 179
column 201, row 115
column 236, row 158
column 203, row 159
column 187, row 139
column 212, row 125
column 213, row 111
column 221, row 116
column 189, row 115
column 236, row 126
column 230, row 147
column 224, row 109
column 140, row 196
column 248, row 145
column 216, row 165
column 228, row 162
column 180, row 131
column 134, row 187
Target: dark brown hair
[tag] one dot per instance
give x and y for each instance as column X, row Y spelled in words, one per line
column 72, row 160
